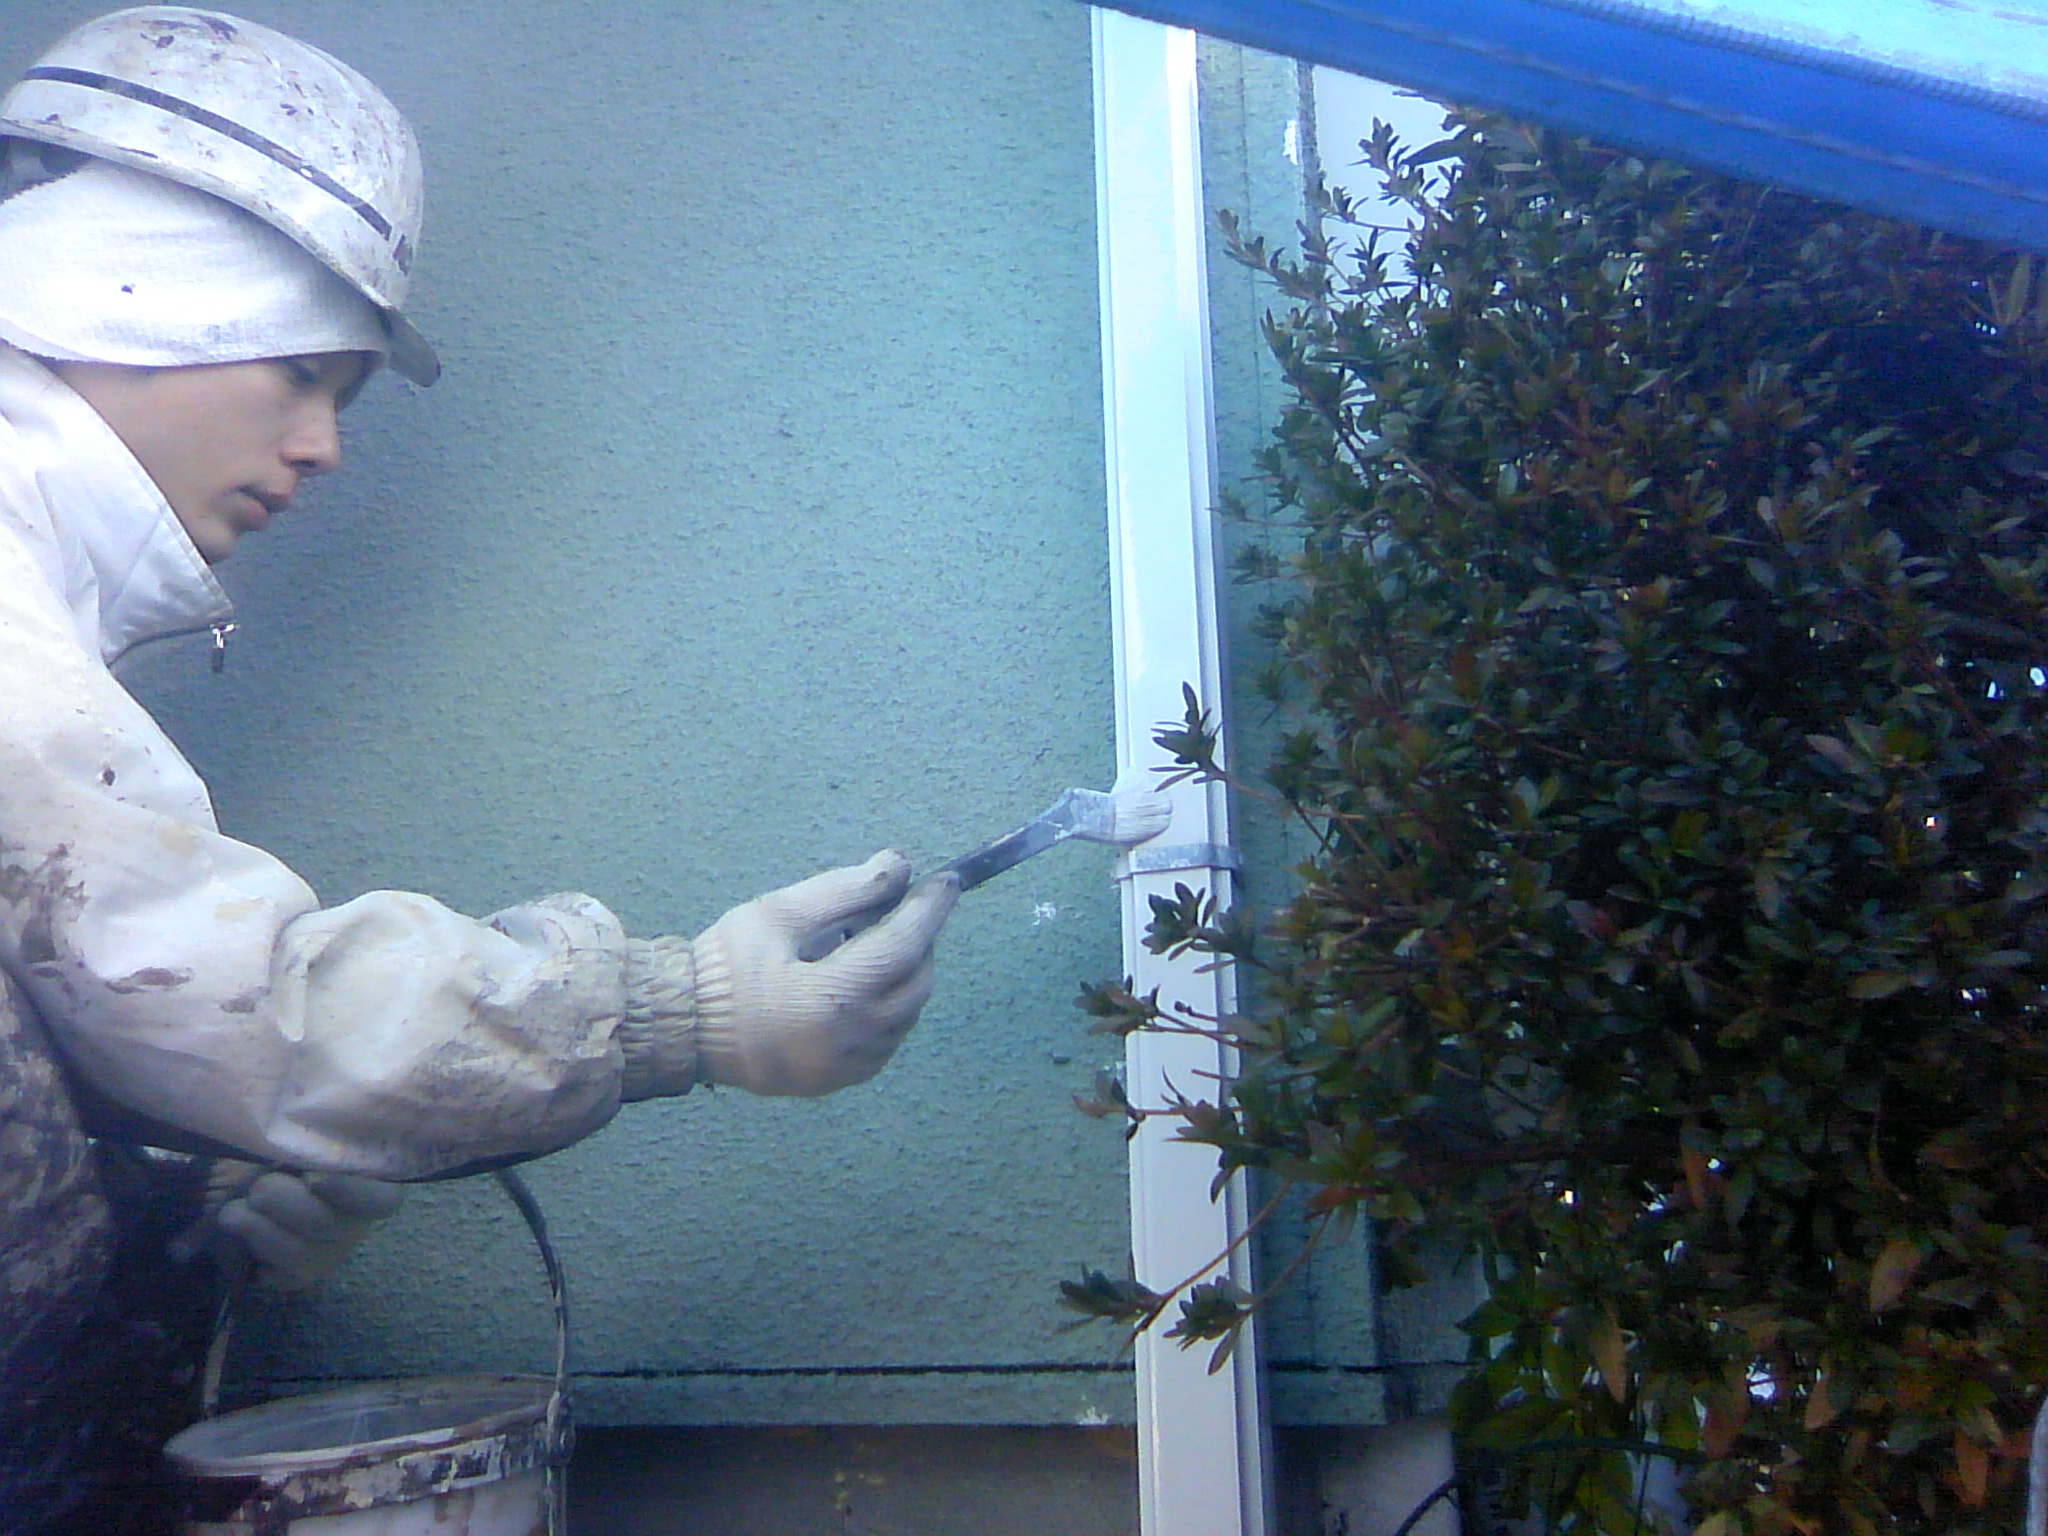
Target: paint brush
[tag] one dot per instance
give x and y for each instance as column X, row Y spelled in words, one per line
column 1093, row 815
column 1118, row 818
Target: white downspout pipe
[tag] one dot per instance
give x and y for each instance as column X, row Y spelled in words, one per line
column 1201, row 1460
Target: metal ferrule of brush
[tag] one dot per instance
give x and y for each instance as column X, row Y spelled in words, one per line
column 1077, row 812
column 1089, row 814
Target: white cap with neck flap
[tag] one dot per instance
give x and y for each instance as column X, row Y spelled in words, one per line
column 255, row 117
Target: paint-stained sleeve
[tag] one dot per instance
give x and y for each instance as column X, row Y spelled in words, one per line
column 196, row 981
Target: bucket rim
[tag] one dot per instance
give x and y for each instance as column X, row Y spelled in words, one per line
column 189, row 1454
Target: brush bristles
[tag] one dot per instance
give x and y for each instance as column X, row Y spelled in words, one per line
column 1139, row 815
column 1120, row 818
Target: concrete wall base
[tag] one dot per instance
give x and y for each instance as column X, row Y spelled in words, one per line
column 853, row 1481
column 954, row 1480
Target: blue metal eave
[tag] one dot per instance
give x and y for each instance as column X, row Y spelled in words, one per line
column 1946, row 150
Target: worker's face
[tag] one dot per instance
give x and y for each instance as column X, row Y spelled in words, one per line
column 227, row 443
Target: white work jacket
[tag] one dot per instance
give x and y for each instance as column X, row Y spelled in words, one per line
column 195, row 980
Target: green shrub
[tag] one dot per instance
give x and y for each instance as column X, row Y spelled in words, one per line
column 1667, row 628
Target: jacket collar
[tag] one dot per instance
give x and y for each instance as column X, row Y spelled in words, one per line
column 123, row 564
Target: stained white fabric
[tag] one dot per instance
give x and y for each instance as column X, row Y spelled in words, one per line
column 113, row 265
column 125, row 569
column 196, row 980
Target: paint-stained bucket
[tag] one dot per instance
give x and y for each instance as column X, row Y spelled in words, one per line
column 433, row 1456
column 438, row 1456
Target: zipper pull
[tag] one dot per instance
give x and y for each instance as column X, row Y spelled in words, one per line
column 220, row 644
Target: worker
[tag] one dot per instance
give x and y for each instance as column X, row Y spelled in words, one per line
column 206, row 230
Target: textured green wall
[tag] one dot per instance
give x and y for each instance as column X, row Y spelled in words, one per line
column 757, row 523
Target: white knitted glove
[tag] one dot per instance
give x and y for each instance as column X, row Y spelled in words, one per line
column 738, row 1006
column 297, row 1227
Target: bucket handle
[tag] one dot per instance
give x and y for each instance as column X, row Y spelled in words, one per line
column 558, row 1297
column 558, row 1400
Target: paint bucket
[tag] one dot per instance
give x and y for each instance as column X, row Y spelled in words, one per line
column 432, row 1456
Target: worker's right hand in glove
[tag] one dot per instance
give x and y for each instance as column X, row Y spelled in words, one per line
column 742, row 1006
column 738, row 1005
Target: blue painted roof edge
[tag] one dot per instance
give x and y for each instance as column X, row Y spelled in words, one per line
column 1636, row 13
column 1875, row 137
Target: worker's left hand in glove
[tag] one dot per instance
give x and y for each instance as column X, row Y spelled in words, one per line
column 296, row 1228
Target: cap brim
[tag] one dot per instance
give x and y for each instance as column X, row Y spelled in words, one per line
column 410, row 354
